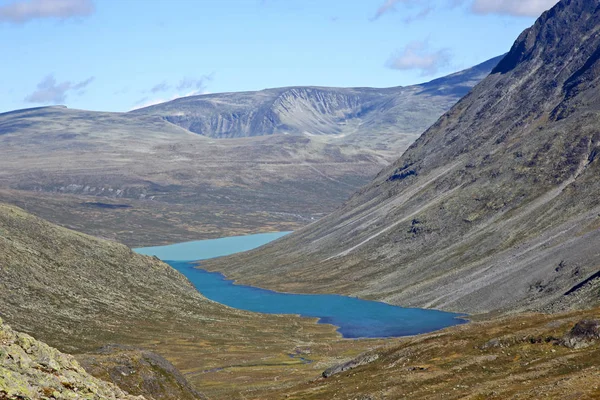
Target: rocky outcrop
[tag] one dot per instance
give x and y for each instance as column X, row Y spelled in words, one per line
column 584, row 334
column 30, row 369
column 139, row 372
column 504, row 187
column 354, row 363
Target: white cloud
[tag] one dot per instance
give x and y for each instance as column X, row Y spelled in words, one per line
column 185, row 88
column 424, row 6
column 418, row 9
column 22, row 11
column 418, row 56
column 161, row 87
column 522, row 8
column 389, row 5
column 49, row 91
column 420, row 15
column 197, row 84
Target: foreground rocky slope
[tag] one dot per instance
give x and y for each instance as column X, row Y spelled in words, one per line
column 79, row 294
column 143, row 180
column 30, row 369
column 496, row 207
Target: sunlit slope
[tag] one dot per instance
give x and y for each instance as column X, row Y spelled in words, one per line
column 377, row 117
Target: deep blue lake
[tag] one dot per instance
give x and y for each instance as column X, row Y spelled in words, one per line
column 355, row 318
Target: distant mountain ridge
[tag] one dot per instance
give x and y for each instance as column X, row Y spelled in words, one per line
column 291, row 156
column 495, row 208
column 316, row 110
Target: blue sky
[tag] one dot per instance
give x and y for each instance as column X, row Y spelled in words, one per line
column 115, row 55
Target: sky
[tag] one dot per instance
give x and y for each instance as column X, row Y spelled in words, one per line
column 118, row 55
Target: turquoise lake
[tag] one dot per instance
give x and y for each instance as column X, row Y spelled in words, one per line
column 355, row 318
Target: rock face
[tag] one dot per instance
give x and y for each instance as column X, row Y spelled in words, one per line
column 139, row 372
column 30, row 369
column 495, row 207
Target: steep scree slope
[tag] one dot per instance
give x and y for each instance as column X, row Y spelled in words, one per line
column 495, row 207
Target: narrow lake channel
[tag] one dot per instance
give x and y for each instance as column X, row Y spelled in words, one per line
column 355, row 318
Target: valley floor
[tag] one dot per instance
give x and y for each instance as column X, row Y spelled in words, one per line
column 138, row 223
column 525, row 356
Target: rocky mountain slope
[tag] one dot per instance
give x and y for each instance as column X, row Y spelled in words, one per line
column 142, row 179
column 30, row 369
column 495, row 207
column 79, row 294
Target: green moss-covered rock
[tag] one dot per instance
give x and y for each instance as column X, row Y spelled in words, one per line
column 30, row 369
